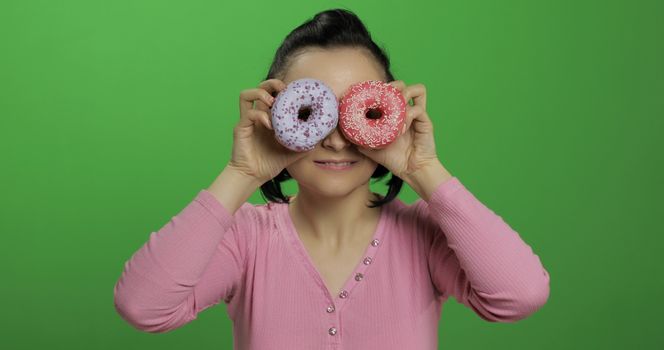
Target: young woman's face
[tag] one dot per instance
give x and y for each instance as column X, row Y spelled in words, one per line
column 339, row 69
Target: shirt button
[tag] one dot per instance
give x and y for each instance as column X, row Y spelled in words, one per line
column 375, row 242
column 332, row 331
column 367, row 260
column 343, row 294
column 330, row 308
column 359, row 276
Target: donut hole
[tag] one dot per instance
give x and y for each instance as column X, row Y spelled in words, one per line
column 373, row 113
column 304, row 113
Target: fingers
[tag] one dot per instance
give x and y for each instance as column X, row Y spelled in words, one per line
column 263, row 95
column 247, row 98
column 417, row 92
column 262, row 106
column 412, row 112
column 400, row 85
column 255, row 117
column 272, row 86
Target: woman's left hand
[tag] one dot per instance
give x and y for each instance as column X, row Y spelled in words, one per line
column 414, row 148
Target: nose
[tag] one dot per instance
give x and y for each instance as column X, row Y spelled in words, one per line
column 335, row 140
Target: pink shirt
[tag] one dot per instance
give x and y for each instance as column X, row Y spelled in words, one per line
column 255, row 262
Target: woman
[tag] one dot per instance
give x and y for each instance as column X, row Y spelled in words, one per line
column 335, row 266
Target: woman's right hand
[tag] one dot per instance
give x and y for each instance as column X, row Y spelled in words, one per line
column 256, row 152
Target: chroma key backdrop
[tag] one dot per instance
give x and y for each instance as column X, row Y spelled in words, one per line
column 114, row 114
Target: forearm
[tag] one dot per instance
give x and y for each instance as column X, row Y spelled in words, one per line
column 507, row 280
column 154, row 290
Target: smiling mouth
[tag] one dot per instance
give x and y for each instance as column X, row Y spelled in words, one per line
column 335, row 165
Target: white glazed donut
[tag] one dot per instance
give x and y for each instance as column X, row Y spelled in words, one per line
column 304, row 113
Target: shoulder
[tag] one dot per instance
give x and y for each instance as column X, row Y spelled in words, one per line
column 411, row 223
column 259, row 216
column 252, row 225
column 248, row 218
column 409, row 215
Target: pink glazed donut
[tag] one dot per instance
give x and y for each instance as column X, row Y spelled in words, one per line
column 372, row 114
column 304, row 113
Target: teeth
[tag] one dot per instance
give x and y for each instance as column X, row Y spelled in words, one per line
column 338, row 164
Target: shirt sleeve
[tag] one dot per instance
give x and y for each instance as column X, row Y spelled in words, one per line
column 479, row 259
column 193, row 262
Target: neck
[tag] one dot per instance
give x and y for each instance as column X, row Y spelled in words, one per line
column 333, row 221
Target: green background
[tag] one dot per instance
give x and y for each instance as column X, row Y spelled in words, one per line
column 114, row 114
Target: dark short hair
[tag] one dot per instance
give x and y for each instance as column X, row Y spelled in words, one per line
column 333, row 28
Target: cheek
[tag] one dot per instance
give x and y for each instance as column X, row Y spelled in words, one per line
column 369, row 163
column 367, row 168
column 299, row 169
column 292, row 170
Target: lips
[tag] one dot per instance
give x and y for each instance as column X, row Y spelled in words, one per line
column 335, row 161
column 335, row 164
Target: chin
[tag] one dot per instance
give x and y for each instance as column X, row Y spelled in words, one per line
column 330, row 185
column 334, row 192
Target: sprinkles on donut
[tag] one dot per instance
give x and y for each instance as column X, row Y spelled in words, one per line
column 304, row 113
column 372, row 114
